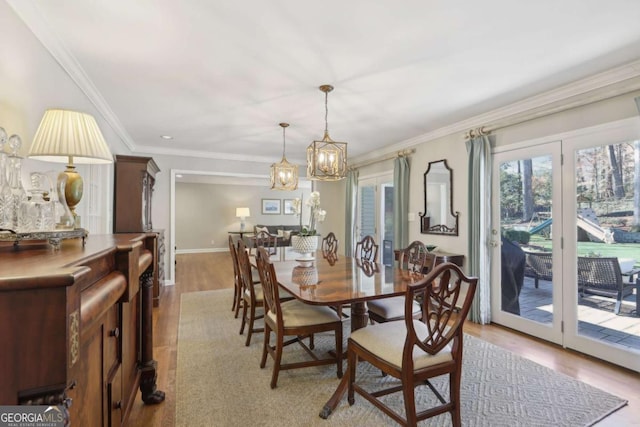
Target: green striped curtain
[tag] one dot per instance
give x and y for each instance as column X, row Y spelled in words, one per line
column 401, row 172
column 350, row 212
column 479, row 188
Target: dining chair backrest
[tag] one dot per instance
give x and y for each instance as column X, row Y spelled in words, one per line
column 446, row 295
column 329, row 244
column 244, row 265
column 413, row 257
column 234, row 259
column 267, row 241
column 367, row 249
column 269, row 283
column 237, row 286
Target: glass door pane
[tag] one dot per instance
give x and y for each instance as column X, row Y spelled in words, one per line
column 526, row 291
column 606, row 260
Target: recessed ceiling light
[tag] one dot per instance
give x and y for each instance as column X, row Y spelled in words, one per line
column 166, row 137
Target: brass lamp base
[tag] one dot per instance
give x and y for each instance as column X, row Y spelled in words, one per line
column 74, row 188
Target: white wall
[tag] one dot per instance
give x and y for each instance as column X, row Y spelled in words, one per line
column 206, row 212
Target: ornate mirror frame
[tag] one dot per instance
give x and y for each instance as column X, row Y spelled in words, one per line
column 448, row 225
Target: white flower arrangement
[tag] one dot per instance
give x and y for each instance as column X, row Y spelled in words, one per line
column 316, row 216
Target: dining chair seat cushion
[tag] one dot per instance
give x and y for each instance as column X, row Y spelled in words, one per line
column 386, row 341
column 391, row 308
column 257, row 289
column 296, row 314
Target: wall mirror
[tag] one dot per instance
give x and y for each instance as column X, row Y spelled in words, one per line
column 438, row 216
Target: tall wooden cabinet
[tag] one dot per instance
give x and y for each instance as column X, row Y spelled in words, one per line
column 77, row 326
column 132, row 201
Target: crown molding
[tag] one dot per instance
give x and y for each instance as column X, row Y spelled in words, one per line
column 610, row 83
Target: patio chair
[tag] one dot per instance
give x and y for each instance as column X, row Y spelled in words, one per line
column 602, row 276
column 539, row 266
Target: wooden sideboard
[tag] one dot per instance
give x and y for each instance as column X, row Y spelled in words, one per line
column 76, row 325
column 133, row 182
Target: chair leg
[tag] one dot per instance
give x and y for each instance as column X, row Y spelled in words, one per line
column 244, row 316
column 408, row 392
column 454, row 394
column 265, row 345
column 339, row 350
column 277, row 359
column 239, row 302
column 352, row 361
column 250, row 329
column 235, row 296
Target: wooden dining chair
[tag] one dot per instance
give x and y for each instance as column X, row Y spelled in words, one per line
column 416, row 350
column 237, row 284
column 415, row 258
column 329, row 245
column 267, row 241
column 293, row 318
column 367, row 249
column 252, row 295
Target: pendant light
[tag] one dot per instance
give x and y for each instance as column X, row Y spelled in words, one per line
column 284, row 175
column 326, row 159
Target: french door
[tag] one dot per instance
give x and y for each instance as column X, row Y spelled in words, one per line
column 559, row 216
column 513, row 173
column 375, row 214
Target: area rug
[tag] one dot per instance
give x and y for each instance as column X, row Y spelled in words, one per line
column 219, row 382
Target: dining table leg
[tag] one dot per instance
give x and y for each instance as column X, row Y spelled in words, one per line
column 359, row 320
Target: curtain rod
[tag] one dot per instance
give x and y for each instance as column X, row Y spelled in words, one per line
column 401, row 153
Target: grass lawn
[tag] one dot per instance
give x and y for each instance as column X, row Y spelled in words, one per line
column 620, row 250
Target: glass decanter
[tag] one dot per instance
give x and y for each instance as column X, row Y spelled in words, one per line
column 18, row 193
column 37, row 213
column 6, row 196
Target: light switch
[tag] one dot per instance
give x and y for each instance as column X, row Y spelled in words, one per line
column 411, row 217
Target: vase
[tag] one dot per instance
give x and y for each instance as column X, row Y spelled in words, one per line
column 306, row 246
column 304, row 276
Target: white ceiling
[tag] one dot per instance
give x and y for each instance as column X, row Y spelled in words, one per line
column 219, row 75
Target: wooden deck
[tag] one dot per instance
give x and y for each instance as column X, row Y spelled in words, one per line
column 595, row 314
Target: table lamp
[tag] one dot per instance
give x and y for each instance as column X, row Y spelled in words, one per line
column 242, row 213
column 72, row 137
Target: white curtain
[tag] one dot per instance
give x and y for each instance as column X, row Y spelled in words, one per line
column 350, row 212
column 479, row 150
column 401, row 172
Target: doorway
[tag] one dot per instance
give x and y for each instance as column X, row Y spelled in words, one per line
column 375, row 213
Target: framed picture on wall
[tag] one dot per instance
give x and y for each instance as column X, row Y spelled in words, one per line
column 287, row 207
column 271, row 207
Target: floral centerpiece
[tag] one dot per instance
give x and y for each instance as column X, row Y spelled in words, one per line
column 316, row 214
column 307, row 241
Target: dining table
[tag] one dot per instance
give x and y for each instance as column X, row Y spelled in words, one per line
column 337, row 281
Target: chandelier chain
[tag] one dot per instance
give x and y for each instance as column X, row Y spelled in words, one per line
column 326, row 113
column 284, row 141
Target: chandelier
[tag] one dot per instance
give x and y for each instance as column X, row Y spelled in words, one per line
column 326, row 159
column 284, row 175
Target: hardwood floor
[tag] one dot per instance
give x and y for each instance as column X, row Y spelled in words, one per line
column 208, row 271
